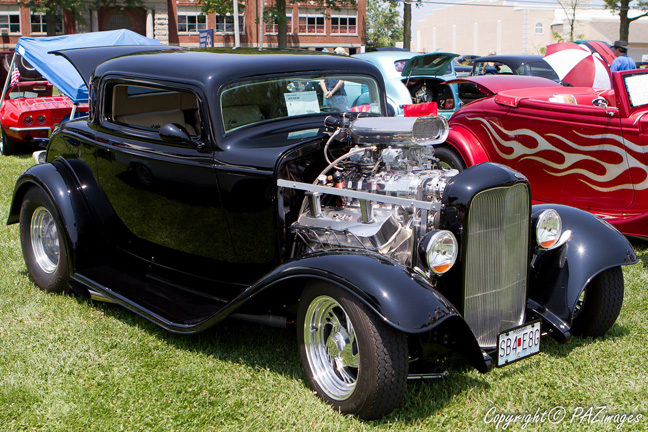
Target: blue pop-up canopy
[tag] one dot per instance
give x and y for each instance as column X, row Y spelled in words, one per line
column 58, row 70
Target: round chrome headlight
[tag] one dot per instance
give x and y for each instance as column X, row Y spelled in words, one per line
column 441, row 250
column 548, row 229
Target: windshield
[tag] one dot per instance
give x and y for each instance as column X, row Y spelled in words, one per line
column 30, row 90
column 541, row 69
column 491, row 68
column 636, row 85
column 271, row 98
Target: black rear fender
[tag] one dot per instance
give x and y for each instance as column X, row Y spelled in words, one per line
column 66, row 189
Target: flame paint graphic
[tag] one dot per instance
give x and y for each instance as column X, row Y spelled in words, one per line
column 612, row 171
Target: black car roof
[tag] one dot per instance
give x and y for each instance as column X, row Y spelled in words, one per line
column 213, row 66
column 85, row 60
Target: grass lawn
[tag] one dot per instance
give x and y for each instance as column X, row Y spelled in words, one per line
column 70, row 364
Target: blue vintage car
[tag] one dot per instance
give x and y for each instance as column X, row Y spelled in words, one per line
column 415, row 78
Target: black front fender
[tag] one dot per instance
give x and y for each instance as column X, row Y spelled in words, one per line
column 405, row 300
column 558, row 277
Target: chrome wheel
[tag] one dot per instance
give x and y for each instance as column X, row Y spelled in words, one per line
column 579, row 304
column 598, row 306
column 353, row 359
column 331, row 347
column 45, row 240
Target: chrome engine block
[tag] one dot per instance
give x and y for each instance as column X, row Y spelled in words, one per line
column 383, row 194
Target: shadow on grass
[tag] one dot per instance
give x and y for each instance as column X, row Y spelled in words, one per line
column 234, row 341
column 275, row 349
column 561, row 350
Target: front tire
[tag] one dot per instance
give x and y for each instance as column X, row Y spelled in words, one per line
column 43, row 245
column 449, row 158
column 353, row 359
column 600, row 304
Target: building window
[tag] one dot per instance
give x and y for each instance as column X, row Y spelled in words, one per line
column 311, row 21
column 539, row 28
column 225, row 24
column 39, row 23
column 10, row 19
column 118, row 21
column 344, row 22
column 191, row 20
column 273, row 28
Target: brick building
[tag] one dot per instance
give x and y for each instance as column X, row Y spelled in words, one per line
column 178, row 22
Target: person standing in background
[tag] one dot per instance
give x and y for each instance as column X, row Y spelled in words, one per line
column 622, row 62
column 334, row 93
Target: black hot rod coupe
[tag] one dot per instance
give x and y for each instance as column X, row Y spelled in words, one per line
column 206, row 185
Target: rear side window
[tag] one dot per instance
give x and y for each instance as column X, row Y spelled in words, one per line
column 150, row 108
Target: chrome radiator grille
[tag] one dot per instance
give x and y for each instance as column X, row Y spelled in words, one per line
column 496, row 261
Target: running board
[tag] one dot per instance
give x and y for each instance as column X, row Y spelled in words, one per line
column 97, row 296
column 178, row 310
column 432, row 375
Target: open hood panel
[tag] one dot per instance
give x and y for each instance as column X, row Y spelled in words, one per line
column 38, row 52
column 435, row 64
column 86, row 60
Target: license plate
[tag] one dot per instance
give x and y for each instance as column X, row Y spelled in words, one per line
column 518, row 343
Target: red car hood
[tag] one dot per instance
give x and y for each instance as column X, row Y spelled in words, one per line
column 493, row 84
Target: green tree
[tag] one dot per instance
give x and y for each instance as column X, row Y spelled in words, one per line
column 407, row 21
column 274, row 14
column 407, row 25
column 622, row 7
column 570, row 7
column 384, row 24
column 53, row 9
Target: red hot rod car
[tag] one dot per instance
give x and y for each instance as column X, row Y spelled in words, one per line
column 29, row 112
column 578, row 146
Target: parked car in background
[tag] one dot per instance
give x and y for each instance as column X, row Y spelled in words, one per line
column 42, row 90
column 231, row 190
column 578, row 146
column 412, row 78
column 531, row 65
column 463, row 64
column 29, row 113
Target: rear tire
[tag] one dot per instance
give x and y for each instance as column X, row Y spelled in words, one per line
column 8, row 147
column 42, row 241
column 449, row 158
column 600, row 304
column 352, row 358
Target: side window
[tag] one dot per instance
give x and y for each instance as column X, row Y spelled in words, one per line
column 151, row 108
